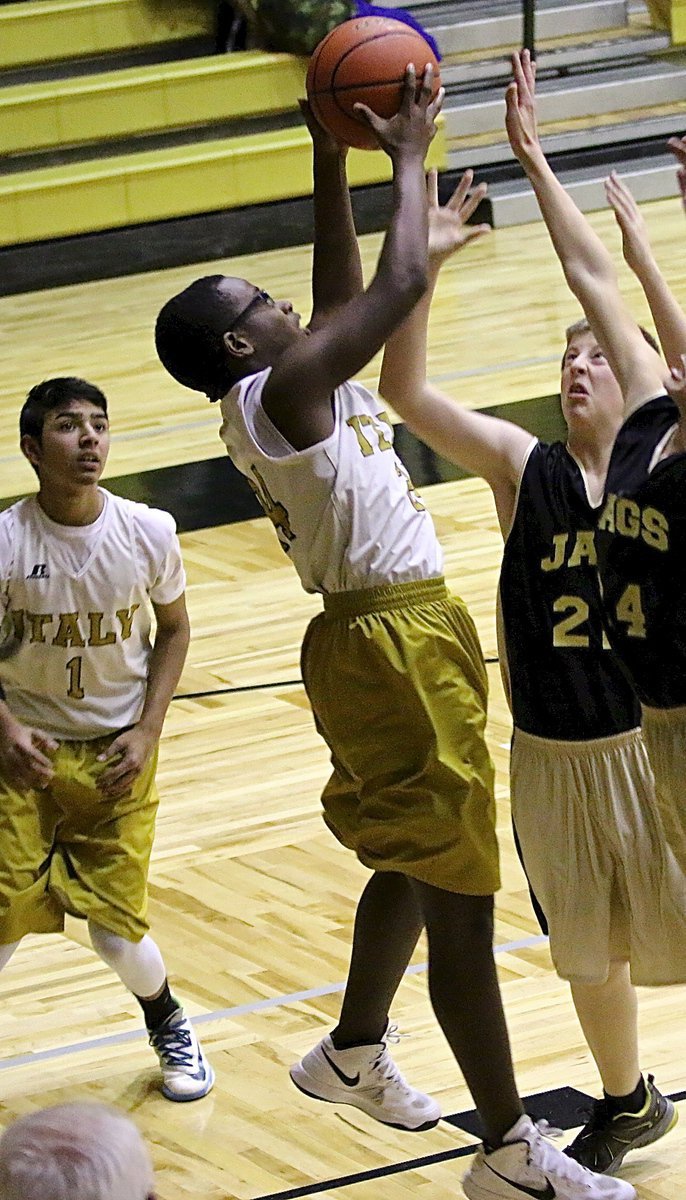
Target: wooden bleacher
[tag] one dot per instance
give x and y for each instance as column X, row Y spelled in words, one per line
column 78, row 149
column 46, row 31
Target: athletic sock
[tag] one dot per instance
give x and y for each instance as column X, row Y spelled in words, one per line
column 338, row 1044
column 159, row 1009
column 633, row 1103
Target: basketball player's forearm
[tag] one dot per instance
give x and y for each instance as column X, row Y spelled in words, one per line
column 586, row 262
column 336, row 266
column 667, row 313
column 403, row 370
column 403, row 263
column 166, row 664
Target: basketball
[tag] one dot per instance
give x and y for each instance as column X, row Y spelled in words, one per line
column 364, row 61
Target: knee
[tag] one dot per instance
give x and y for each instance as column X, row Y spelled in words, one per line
column 477, row 924
column 461, row 920
column 110, row 947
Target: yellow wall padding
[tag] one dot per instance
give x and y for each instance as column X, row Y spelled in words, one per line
column 92, row 108
column 50, row 30
column 678, row 22
column 156, row 185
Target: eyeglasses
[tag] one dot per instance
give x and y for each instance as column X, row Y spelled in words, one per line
column 260, row 297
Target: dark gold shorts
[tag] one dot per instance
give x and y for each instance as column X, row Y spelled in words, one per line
column 397, row 683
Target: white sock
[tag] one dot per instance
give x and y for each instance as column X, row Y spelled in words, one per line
column 139, row 965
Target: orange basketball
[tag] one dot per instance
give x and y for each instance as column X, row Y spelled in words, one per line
column 364, row 61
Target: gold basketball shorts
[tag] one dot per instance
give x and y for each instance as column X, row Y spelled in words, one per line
column 597, row 858
column 69, row 849
column 398, row 687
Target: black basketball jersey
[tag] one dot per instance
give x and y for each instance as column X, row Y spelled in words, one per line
column 565, row 681
column 641, row 550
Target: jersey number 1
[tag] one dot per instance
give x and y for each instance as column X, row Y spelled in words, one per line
column 75, row 691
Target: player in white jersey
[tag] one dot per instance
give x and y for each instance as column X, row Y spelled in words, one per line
column 392, row 666
column 85, row 690
column 583, row 801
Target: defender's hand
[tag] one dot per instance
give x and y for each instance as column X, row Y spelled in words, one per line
column 635, row 241
column 448, row 228
column 520, row 107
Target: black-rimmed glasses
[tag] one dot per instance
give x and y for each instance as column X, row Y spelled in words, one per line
column 260, row 297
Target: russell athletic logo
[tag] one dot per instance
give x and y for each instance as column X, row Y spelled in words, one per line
column 40, row 571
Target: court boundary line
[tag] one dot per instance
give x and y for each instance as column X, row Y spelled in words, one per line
column 221, row 1014
column 411, row 1164
column 261, row 687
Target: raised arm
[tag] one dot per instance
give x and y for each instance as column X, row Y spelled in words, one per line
column 587, row 264
column 668, row 315
column 298, row 392
column 486, row 446
column 336, row 266
column 678, row 148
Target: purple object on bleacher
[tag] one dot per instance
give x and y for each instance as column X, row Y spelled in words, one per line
column 398, row 14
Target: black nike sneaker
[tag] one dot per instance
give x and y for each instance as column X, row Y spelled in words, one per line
column 604, row 1140
column 366, row 1077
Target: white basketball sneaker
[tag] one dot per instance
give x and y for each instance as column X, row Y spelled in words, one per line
column 186, row 1073
column 527, row 1165
column 366, row 1077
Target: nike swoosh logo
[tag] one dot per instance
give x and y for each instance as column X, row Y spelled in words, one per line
column 546, row 1193
column 348, row 1080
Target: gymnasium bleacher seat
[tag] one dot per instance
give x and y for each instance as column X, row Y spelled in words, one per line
column 125, row 143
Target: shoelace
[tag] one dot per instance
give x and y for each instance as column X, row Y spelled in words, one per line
column 388, row 1074
column 176, row 1046
column 552, row 1161
column 548, row 1130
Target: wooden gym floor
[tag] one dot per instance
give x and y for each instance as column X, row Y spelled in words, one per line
column 252, row 901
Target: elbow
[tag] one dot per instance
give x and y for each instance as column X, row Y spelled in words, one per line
column 583, row 279
column 410, row 287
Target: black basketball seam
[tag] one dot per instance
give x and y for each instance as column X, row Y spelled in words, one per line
column 331, row 91
column 390, row 33
column 353, row 87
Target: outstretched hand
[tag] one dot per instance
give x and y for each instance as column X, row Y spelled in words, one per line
column 413, row 127
column 635, row 241
column 520, row 107
column 448, row 228
column 678, row 148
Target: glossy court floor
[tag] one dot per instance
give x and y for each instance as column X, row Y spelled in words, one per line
column 251, row 899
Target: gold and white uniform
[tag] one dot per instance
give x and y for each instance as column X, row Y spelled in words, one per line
column 76, row 600
column 74, row 665
column 345, row 510
column 392, row 666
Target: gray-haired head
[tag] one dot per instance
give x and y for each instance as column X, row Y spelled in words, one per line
column 83, row 1151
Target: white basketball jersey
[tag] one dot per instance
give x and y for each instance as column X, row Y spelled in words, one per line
column 345, row 510
column 77, row 613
